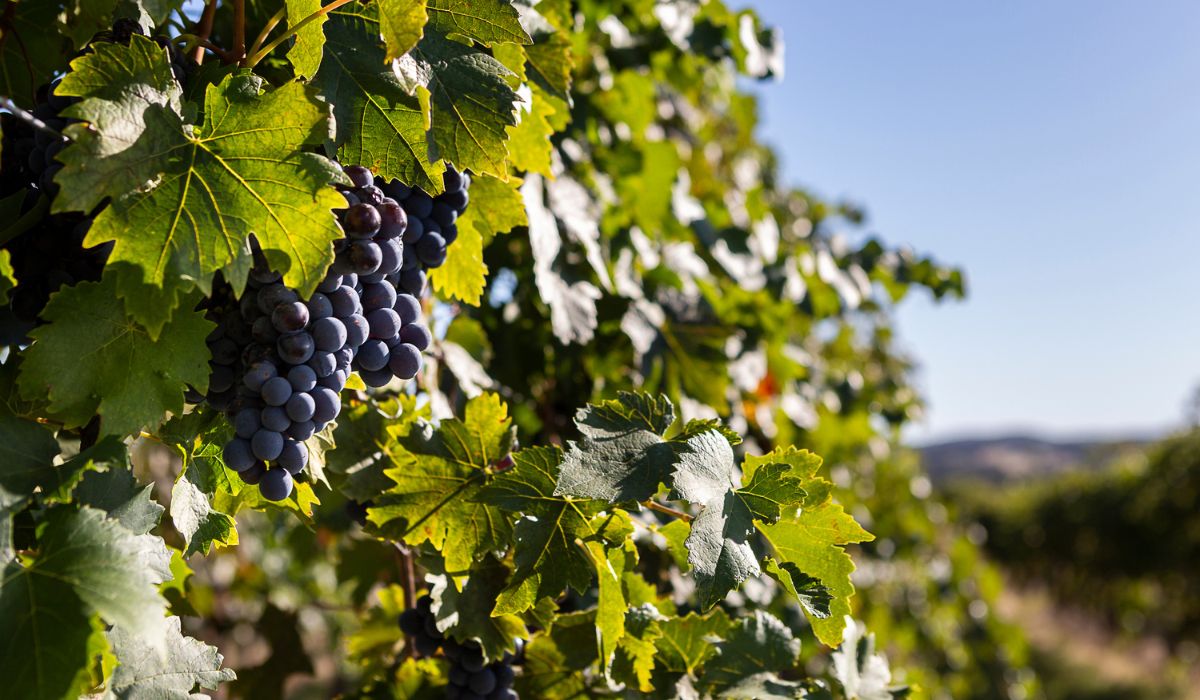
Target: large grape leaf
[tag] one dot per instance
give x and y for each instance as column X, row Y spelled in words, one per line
column 470, row 101
column 184, row 198
column 305, row 54
column 813, row 541
column 759, row 647
column 379, row 124
column 496, row 207
column 90, row 359
column 438, row 476
column 466, row 613
column 145, row 672
column 621, row 455
column 686, row 643
column 550, row 554
column 485, row 21
column 86, row 563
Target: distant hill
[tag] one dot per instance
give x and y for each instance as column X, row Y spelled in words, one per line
column 1019, row 458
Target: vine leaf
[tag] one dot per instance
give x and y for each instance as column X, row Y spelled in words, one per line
column 27, row 452
column 379, row 124
column 861, row 671
column 163, row 177
column 144, row 671
column 470, row 101
column 31, row 49
column 116, row 492
column 437, row 478
column 637, row 648
column 812, row 541
column 86, row 564
column 686, row 643
column 402, row 23
column 496, row 208
column 551, row 537
column 814, row 597
column 774, row 490
column 305, row 54
column 192, row 510
column 622, row 455
column 529, row 143
column 485, row 21
column 754, row 652
column 467, row 614
column 89, row 359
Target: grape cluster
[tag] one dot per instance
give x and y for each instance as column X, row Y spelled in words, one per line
column 470, row 677
column 432, row 224
column 279, row 363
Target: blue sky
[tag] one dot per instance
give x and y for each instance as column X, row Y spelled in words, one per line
column 1051, row 149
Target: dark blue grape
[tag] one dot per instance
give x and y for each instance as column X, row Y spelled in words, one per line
column 335, row 381
column 275, row 418
column 431, row 249
column 395, row 189
column 408, row 307
column 414, row 230
column 362, row 221
column 319, row 307
column 345, row 301
column 263, row 331
column 254, row 474
column 450, row 233
column 276, row 390
column 411, row 622
column 246, row 423
column 266, row 444
column 373, row 355
column 224, row 351
column 290, row 317
column 383, row 323
column 410, row 261
column 237, row 455
column 273, row 295
column 393, row 219
column 504, row 675
column 326, row 404
column 458, row 200
column 357, row 330
column 452, row 180
column 302, row 431
column 375, row 378
column 413, row 281
column 276, row 485
column 365, row 256
column 443, row 214
column 351, row 199
column 220, row 378
column 482, row 681
column 404, row 361
column 330, row 283
column 391, row 257
column 472, row 660
column 302, row 377
column 293, row 457
column 418, row 205
column 300, row 407
column 264, row 276
column 322, row 363
column 360, row 175
column 329, row 334
column 295, row 349
column 417, row 335
column 374, row 278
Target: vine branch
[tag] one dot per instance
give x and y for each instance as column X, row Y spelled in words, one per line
column 667, row 510
column 291, row 32
column 204, row 30
column 238, row 51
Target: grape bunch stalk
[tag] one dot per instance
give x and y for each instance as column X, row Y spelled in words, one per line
column 280, row 363
column 471, row 678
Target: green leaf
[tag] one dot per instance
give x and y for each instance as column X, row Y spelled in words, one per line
column 529, row 145
column 637, row 649
column 305, row 55
column 379, row 124
column 611, row 604
column 757, row 644
column 192, row 511
column 401, row 22
column 86, row 563
column 812, row 541
column 31, row 50
column 718, row 546
column 545, row 674
column 8, row 278
column 773, row 490
column 467, row 613
column 686, row 643
column 471, row 102
column 437, row 481
column 484, row 21
column 550, row 551
column 186, row 199
column 814, row 597
column 89, row 359
column 27, row 452
column 116, row 492
column 622, row 455
column 862, row 673
column 145, row 671
column 496, row 207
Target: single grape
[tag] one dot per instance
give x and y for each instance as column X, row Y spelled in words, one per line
column 295, row 349
column 266, row 444
column 263, row 331
column 408, row 307
column 371, row 194
column 360, row 175
column 258, row 375
column 404, row 361
column 504, row 675
column 275, row 418
column 293, row 457
column 302, row 377
column 391, row 258
column 300, row 407
column 351, row 199
column 273, row 295
column 365, row 256
column 302, row 431
column 425, row 646
column 374, row 278
column 254, row 474
column 375, row 378
column 322, row 363
column 443, row 214
column 418, row 205
column 224, row 351
column 362, row 221
column 319, row 307
column 220, row 378
column 431, row 249
column 335, row 381
column 452, row 180
column 450, row 233
column 458, row 200
column 393, row 219
column 411, row 622
column 276, row 484
column 373, row 355
column 329, row 284
column 417, row 335
column 378, row 296
column 290, row 317
column 383, row 323
column 472, row 660
column 357, row 330
column 329, row 334
column 246, row 423
column 264, row 276
column 276, row 390
column 325, row 404
column 237, row 455
column 414, row 230
column 345, row 301
column 413, row 281
column 482, row 681
column 395, row 189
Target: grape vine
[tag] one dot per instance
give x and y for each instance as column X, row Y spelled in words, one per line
column 310, row 308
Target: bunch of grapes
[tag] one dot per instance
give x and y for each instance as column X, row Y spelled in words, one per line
column 432, row 225
column 279, row 363
column 470, row 677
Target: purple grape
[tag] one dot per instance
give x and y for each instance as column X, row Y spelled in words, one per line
column 362, row 221
column 443, row 214
column 264, row 276
column 450, row 233
column 300, row 407
column 393, row 219
column 370, row 194
column 457, row 200
column 431, row 249
column 345, row 301
column 452, row 180
column 302, row 378
column 276, row 390
column 414, row 230
column 237, row 455
column 273, row 295
column 383, row 323
column 419, row 205
column 408, row 307
column 266, row 444
column 276, row 484
column 357, row 330
column 322, row 363
column 220, row 378
column 378, row 296
column 365, row 256
column 295, row 349
column 326, row 404
column 293, row 457
column 413, row 281
column 246, row 423
column 405, row 361
column 375, row 378
column 254, row 474
column 335, row 381
column 329, row 334
column 264, row 331
column 330, row 283
column 391, row 257
column 319, row 307
column 395, row 189
column 373, row 355
column 290, row 318
column 360, row 175
column 417, row 335
column 224, row 351
column 258, row 375
column 302, row 431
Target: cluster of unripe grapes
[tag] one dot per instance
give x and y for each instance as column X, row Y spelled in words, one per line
column 279, row 363
column 470, row 677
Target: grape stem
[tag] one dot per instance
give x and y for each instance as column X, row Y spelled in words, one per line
column 408, row 575
column 191, row 41
column 204, row 30
column 266, row 30
column 238, row 52
column 262, row 53
column 667, row 510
